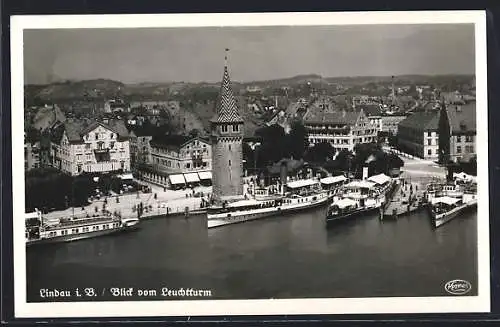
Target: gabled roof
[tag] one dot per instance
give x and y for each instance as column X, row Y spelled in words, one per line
column 174, row 141
column 370, row 109
column 462, row 118
column 422, row 120
column 337, row 117
column 166, row 141
column 76, row 129
column 226, row 108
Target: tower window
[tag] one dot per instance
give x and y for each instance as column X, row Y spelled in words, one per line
column 236, row 128
column 229, row 162
column 229, row 147
column 224, row 128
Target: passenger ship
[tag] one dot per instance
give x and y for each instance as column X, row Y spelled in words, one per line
column 357, row 198
column 301, row 195
column 448, row 201
column 39, row 231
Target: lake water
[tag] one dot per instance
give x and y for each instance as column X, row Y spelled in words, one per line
column 294, row 256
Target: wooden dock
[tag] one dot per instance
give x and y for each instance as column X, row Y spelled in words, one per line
column 407, row 198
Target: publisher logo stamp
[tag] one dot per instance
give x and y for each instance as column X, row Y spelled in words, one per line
column 458, row 287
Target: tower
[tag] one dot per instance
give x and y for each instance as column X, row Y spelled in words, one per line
column 226, row 134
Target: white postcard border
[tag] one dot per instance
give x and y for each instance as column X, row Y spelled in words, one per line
column 480, row 303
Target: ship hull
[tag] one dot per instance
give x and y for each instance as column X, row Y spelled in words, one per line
column 81, row 236
column 234, row 218
column 443, row 218
column 351, row 215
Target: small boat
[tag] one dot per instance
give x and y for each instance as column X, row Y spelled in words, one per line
column 40, row 231
column 302, row 195
column 445, row 208
column 346, row 208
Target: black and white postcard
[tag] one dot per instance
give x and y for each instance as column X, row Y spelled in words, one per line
column 250, row 164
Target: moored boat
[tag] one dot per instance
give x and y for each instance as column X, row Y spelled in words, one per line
column 301, row 195
column 357, row 198
column 39, row 231
column 347, row 208
column 445, row 208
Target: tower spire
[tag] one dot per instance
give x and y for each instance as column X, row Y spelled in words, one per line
column 226, row 107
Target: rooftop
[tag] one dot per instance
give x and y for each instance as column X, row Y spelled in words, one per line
column 173, row 141
column 76, row 129
column 338, row 117
column 462, row 117
column 226, row 107
column 424, row 120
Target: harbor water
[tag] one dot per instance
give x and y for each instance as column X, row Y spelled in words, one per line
column 293, row 256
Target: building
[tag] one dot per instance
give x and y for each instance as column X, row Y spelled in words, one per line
column 140, row 147
column 418, row 134
column 180, row 154
column 226, row 137
column 177, row 160
column 389, row 123
column 342, row 129
column 47, row 116
column 31, row 155
column 457, row 128
column 90, row 146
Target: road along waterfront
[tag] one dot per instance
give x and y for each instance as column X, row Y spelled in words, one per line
column 293, row 256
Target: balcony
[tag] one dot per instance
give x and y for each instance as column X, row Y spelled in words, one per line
column 101, row 151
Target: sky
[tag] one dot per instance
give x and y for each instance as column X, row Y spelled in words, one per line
column 256, row 53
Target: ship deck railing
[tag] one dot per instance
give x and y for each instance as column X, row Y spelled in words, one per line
column 79, row 222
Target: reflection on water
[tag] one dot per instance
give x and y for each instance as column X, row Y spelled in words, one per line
column 289, row 256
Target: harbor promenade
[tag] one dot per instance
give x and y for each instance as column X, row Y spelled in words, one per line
column 157, row 203
column 165, row 202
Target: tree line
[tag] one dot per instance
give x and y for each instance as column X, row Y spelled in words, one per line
column 275, row 145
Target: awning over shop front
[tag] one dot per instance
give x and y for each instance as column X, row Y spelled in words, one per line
column 191, row 178
column 177, row 179
column 205, row 175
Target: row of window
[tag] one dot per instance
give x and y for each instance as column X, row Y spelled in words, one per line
column 88, row 166
column 234, row 127
column 98, row 136
column 468, row 149
column 332, row 141
column 83, row 229
column 465, row 138
column 188, row 165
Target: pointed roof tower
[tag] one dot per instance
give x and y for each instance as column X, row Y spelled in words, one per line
column 226, row 109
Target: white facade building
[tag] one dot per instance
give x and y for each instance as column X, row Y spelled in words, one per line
column 342, row 129
column 81, row 146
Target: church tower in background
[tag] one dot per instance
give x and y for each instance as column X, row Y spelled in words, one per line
column 226, row 134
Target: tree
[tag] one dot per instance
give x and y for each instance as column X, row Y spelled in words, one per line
column 273, row 145
column 33, row 135
column 248, row 156
column 297, row 141
column 320, row 152
column 194, row 133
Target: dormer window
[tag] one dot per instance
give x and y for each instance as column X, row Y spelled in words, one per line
column 224, row 128
column 236, row 128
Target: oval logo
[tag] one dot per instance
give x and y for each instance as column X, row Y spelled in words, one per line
column 458, row 287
